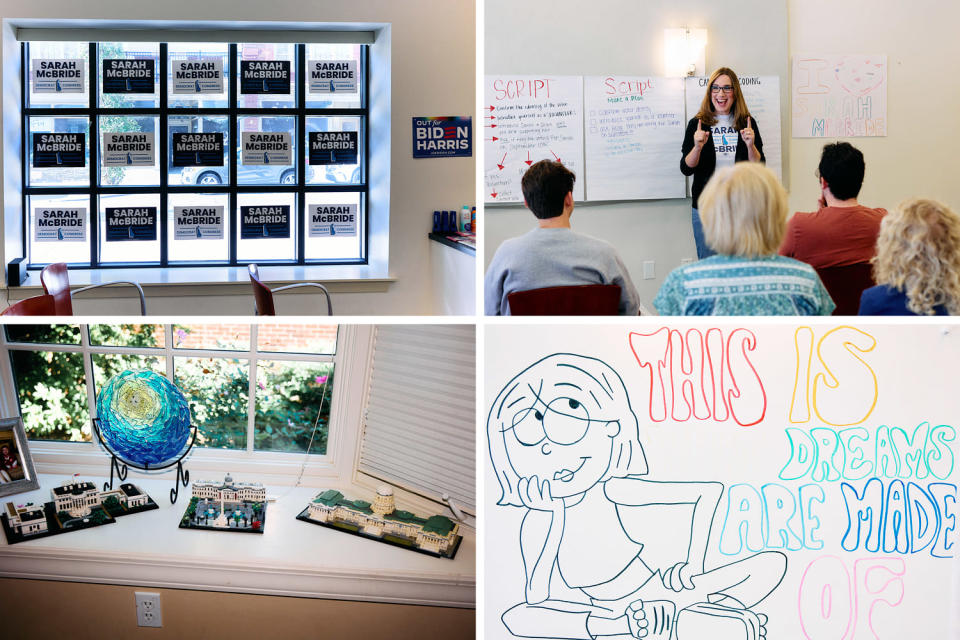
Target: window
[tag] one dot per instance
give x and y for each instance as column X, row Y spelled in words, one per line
column 266, row 388
column 190, row 154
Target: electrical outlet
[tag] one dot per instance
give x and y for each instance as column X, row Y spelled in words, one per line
column 148, row 609
column 649, row 272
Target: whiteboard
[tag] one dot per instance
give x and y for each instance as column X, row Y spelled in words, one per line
column 527, row 119
column 839, row 95
column 634, row 127
column 784, row 427
column 762, row 94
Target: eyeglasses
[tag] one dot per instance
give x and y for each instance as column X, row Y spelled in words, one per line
column 564, row 421
column 717, row 89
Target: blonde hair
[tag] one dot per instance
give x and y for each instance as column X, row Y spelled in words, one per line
column 744, row 210
column 918, row 252
column 708, row 116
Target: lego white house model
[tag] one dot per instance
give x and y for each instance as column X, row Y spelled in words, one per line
column 26, row 520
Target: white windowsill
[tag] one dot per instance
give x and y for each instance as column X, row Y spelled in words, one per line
column 291, row 557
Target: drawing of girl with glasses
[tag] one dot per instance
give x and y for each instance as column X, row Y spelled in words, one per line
column 564, row 442
column 721, row 134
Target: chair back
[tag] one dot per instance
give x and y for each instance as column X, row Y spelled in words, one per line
column 576, row 300
column 44, row 305
column 56, row 283
column 845, row 284
column 262, row 296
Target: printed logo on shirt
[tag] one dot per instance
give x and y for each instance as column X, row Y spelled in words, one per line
column 725, row 139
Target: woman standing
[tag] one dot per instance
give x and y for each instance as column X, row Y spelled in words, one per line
column 721, row 134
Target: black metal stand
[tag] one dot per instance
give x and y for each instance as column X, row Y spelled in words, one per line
column 121, row 466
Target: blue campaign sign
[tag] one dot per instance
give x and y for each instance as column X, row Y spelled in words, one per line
column 265, row 221
column 443, row 137
column 131, row 223
column 198, row 149
column 58, row 150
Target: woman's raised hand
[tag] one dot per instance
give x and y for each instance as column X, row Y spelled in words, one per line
column 748, row 134
column 700, row 136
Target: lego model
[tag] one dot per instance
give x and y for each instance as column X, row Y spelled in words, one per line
column 382, row 521
column 75, row 505
column 226, row 506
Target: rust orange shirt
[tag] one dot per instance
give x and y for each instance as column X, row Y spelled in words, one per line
column 833, row 236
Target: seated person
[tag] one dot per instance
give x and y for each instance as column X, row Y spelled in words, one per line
column 917, row 266
column 842, row 231
column 744, row 213
column 551, row 254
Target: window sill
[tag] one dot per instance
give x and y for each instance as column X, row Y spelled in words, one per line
column 291, row 557
column 206, row 281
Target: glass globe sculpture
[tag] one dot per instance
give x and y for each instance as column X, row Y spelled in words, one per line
column 144, row 418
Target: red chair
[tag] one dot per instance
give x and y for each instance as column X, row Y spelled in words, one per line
column 576, row 300
column 845, row 285
column 56, row 283
column 263, row 295
column 36, row 306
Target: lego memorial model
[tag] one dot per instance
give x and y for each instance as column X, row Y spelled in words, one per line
column 226, row 506
column 75, row 505
column 382, row 521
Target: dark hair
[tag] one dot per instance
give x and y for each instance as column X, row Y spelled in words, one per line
column 841, row 165
column 545, row 185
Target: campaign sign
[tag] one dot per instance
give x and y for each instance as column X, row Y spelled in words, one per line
column 266, row 148
column 130, row 149
column 332, row 76
column 131, row 223
column 58, row 76
column 198, row 149
column 332, row 220
column 58, row 150
column 198, row 223
column 333, row 147
column 197, row 76
column 128, row 76
column 264, row 76
column 446, row 137
column 265, row 221
column 60, row 225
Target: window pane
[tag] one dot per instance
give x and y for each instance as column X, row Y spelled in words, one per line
column 228, row 337
column 107, row 365
column 53, row 79
column 129, row 228
column 290, row 396
column 335, row 226
column 266, row 230
column 270, row 72
column 44, row 333
column 334, row 150
column 197, row 162
column 58, row 162
column 202, row 68
column 127, row 335
column 197, row 227
column 334, row 76
column 138, row 150
column 65, row 232
column 52, row 391
column 132, row 79
column 297, row 338
column 267, row 151
column 217, row 390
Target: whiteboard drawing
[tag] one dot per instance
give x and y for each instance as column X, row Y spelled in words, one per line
column 565, row 444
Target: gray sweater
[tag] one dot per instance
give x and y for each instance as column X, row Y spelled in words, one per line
column 554, row 258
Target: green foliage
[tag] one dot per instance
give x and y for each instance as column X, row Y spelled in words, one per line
column 217, row 390
column 289, row 399
column 115, row 124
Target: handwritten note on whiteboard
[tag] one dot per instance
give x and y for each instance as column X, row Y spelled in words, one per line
column 692, row 482
column 762, row 94
column 634, row 127
column 839, row 96
column 526, row 119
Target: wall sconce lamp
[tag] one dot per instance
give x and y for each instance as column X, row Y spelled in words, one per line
column 684, row 52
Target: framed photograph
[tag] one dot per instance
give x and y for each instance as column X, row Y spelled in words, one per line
column 16, row 466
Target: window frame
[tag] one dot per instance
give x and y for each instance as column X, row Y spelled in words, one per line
column 351, row 363
column 233, row 113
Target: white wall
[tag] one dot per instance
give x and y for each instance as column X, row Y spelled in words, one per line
column 917, row 158
column 571, row 37
column 433, row 45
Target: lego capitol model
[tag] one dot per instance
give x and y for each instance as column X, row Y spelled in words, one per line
column 381, row 521
column 226, row 506
column 76, row 505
